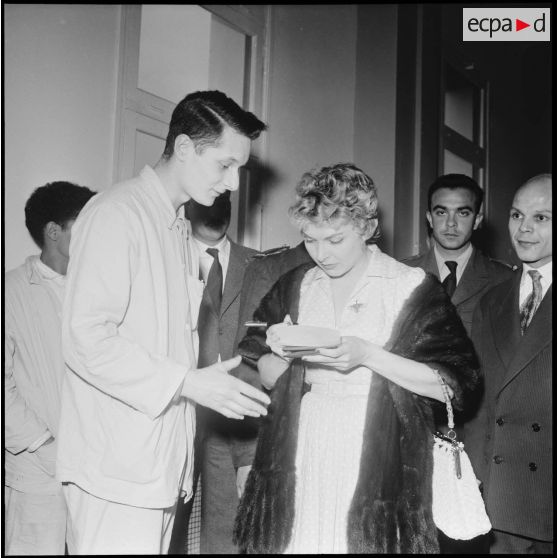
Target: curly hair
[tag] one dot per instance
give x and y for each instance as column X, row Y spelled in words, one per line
column 202, row 116
column 59, row 202
column 340, row 191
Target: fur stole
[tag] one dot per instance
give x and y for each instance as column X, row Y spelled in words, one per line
column 391, row 510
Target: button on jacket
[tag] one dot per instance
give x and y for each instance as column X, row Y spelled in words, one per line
column 515, row 462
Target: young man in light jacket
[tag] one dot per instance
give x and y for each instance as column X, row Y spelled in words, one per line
column 128, row 420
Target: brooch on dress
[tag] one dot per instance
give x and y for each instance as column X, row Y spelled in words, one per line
column 356, row 306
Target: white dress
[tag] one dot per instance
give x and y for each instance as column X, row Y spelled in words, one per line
column 332, row 414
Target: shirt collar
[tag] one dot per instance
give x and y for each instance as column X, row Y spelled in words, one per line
column 222, row 245
column 157, row 189
column 545, row 271
column 461, row 259
column 37, row 271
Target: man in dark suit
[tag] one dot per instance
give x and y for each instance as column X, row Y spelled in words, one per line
column 510, row 440
column 454, row 212
column 224, row 446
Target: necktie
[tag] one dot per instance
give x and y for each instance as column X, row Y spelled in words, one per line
column 450, row 282
column 210, row 311
column 529, row 307
column 215, row 279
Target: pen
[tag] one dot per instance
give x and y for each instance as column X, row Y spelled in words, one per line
column 255, row 324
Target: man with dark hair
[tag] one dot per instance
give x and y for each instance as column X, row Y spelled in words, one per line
column 204, row 115
column 35, row 510
column 128, row 332
column 511, row 440
column 454, row 212
column 226, row 445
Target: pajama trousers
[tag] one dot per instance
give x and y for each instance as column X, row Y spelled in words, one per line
column 35, row 524
column 97, row 526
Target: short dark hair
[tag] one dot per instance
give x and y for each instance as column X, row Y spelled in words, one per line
column 203, row 115
column 453, row 181
column 59, row 202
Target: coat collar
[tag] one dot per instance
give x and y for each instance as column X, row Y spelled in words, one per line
column 537, row 336
column 505, row 320
column 160, row 196
column 474, row 278
column 238, row 259
column 430, row 264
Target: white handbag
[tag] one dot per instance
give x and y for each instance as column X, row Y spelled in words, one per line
column 457, row 504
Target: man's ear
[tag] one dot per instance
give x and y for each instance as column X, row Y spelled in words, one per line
column 429, row 219
column 52, row 230
column 182, row 146
column 478, row 221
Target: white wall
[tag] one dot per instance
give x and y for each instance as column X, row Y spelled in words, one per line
column 60, row 64
column 311, row 103
column 60, row 99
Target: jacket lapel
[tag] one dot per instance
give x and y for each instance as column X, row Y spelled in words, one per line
column 430, row 265
column 235, row 275
column 505, row 321
column 537, row 336
column 473, row 280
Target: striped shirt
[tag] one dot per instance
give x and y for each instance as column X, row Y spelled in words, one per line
column 33, row 373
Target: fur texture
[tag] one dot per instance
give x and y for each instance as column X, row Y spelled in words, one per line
column 391, row 510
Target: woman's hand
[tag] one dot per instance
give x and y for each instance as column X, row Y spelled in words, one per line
column 273, row 338
column 409, row 374
column 352, row 352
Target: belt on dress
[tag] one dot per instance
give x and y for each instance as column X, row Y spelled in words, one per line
column 340, row 388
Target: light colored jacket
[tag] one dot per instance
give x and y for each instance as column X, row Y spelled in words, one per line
column 129, row 343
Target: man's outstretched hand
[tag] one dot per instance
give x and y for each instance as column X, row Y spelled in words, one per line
column 215, row 388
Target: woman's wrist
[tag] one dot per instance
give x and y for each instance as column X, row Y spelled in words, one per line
column 373, row 353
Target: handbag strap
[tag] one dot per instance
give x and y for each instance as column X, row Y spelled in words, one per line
column 449, row 409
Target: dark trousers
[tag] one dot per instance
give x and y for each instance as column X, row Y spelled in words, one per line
column 219, row 498
column 179, row 538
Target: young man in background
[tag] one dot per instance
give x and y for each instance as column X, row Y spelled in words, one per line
column 34, row 508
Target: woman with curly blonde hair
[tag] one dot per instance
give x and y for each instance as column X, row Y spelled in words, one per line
column 344, row 458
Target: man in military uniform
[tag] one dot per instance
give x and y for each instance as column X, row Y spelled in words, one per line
column 454, row 212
